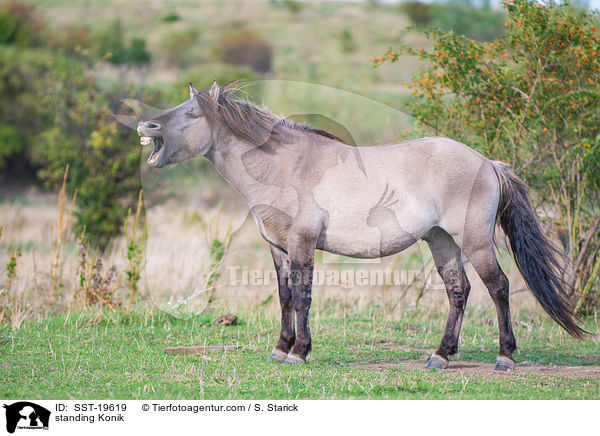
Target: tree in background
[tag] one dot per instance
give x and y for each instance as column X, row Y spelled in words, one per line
column 529, row 99
column 104, row 162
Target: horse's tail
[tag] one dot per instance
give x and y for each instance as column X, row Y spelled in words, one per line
column 537, row 258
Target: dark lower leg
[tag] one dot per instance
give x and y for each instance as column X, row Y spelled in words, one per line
column 301, row 281
column 448, row 260
column 486, row 264
column 457, row 288
column 497, row 285
column 287, row 336
column 288, row 333
column 500, row 295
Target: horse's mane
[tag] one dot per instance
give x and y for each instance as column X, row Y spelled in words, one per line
column 249, row 122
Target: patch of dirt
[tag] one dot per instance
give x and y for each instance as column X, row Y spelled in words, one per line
column 225, row 320
column 487, row 369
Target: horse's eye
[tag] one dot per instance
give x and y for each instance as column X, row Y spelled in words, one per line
column 192, row 113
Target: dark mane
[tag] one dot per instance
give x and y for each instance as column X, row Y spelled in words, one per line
column 249, row 122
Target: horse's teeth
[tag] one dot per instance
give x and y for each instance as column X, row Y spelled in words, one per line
column 145, row 140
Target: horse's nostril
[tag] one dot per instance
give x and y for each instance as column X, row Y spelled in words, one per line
column 152, row 125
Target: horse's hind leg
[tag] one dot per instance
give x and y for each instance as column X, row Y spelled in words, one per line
column 486, row 264
column 287, row 336
column 448, row 260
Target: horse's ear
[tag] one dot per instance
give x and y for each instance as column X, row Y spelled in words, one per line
column 193, row 91
column 214, row 91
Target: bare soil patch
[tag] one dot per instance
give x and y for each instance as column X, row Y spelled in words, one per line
column 487, row 369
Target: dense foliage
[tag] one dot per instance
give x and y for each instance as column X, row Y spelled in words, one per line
column 54, row 114
column 530, row 99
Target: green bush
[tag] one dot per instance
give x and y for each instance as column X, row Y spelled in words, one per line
column 137, row 51
column 171, row 17
column 19, row 24
column 24, row 110
column 103, row 158
column 109, row 43
column 53, row 115
column 246, row 47
column 13, row 143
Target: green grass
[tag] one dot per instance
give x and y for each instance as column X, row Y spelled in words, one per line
column 98, row 356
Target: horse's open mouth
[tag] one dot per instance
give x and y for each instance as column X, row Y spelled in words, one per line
column 158, row 148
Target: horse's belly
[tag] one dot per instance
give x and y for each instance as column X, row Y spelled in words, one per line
column 351, row 237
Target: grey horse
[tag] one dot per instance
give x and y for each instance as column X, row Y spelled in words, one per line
column 308, row 191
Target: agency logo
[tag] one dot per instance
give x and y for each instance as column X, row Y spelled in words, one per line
column 26, row 415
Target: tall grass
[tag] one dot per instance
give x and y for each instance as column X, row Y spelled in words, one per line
column 10, row 302
column 61, row 227
column 204, row 296
column 134, row 250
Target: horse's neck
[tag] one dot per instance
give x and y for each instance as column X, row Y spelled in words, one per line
column 264, row 177
column 226, row 157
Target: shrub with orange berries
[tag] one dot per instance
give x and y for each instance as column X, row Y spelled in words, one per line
column 530, row 99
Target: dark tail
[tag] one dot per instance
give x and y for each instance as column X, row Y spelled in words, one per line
column 537, row 258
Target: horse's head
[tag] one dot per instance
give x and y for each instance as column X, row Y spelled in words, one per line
column 179, row 134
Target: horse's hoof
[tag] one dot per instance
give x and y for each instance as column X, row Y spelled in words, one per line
column 504, row 364
column 437, row 362
column 292, row 359
column 277, row 356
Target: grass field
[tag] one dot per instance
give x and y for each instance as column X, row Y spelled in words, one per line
column 361, row 356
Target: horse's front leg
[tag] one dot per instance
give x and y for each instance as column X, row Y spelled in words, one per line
column 288, row 332
column 302, row 260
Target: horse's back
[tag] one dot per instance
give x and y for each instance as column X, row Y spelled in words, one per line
column 383, row 198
